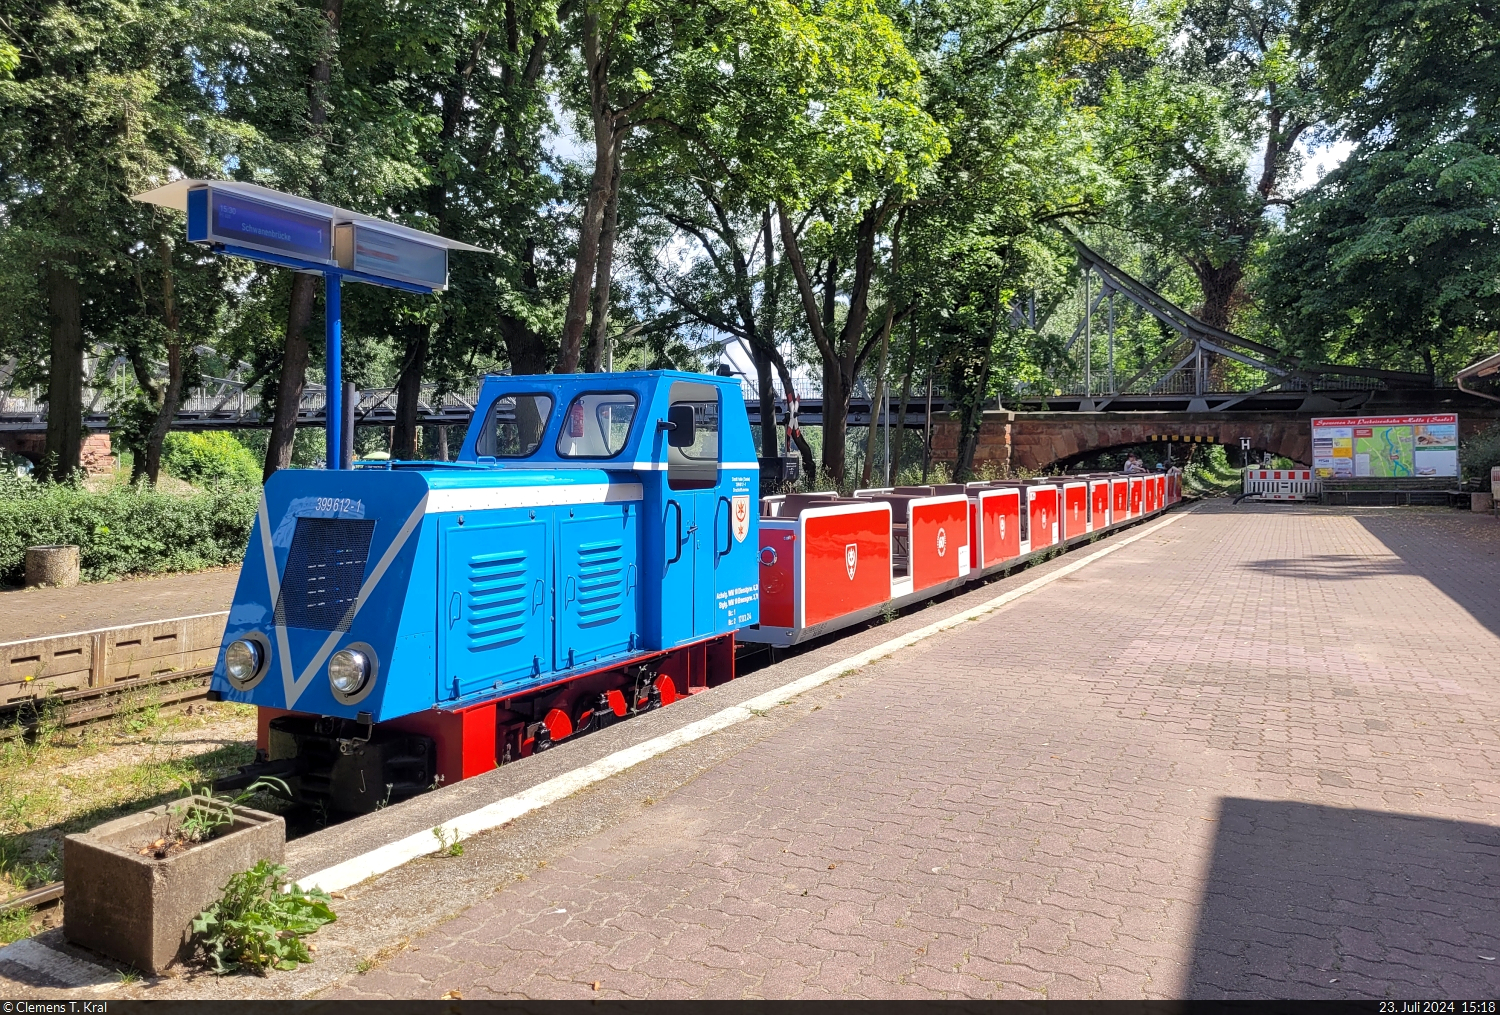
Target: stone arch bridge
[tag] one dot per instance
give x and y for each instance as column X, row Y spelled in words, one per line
column 1036, row 441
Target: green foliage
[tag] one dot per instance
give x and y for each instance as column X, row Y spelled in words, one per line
column 1210, row 473
column 1393, row 260
column 210, row 458
column 259, row 922
column 126, row 530
column 1206, row 141
column 1480, row 453
column 448, row 841
column 206, row 811
column 15, row 924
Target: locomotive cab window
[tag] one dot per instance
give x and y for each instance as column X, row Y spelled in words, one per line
column 516, row 425
column 695, row 466
column 597, row 425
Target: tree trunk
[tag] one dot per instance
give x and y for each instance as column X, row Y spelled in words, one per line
column 911, row 363
column 299, row 306
column 591, row 224
column 604, row 269
column 835, row 421
column 1220, row 287
column 65, row 373
column 885, row 349
column 442, row 443
column 971, row 398
column 761, row 350
column 172, row 394
column 407, row 434
column 526, row 348
column 293, row 377
column 171, row 398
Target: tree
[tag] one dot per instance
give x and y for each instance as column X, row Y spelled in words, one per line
column 1394, row 258
column 95, row 98
column 1209, row 138
column 1010, row 84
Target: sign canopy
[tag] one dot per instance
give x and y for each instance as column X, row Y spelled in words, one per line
column 265, row 225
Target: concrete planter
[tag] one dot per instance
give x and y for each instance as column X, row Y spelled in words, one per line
column 139, row 910
column 51, row 565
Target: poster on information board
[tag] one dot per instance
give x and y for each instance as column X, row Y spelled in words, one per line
column 1386, row 447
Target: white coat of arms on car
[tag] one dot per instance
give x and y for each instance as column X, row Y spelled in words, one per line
column 740, row 510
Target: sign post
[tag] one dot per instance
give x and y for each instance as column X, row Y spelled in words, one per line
column 243, row 220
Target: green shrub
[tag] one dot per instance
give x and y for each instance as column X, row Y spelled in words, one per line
column 209, row 458
column 1479, row 454
column 127, row 530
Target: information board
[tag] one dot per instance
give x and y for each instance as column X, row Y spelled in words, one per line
column 382, row 252
column 1385, row 447
column 218, row 216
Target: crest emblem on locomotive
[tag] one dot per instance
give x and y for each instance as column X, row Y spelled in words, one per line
column 740, row 510
column 942, row 541
column 851, row 559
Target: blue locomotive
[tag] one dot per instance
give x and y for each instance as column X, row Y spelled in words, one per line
column 590, row 554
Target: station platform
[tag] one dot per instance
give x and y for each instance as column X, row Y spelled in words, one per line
column 37, row 613
column 1241, row 752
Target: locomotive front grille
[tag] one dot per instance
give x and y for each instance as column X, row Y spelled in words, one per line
column 324, row 572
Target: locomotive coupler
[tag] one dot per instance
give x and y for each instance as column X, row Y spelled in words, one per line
column 348, row 745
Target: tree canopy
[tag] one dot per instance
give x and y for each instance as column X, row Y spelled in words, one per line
column 852, row 195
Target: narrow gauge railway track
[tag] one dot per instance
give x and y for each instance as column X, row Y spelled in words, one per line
column 93, row 704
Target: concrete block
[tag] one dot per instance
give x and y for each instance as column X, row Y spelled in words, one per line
column 51, row 565
column 1481, row 502
column 139, row 910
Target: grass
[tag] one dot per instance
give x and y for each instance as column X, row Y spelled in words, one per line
column 15, row 924
column 1211, row 474
column 58, row 780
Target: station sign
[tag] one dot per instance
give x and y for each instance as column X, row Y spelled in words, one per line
column 222, row 216
column 1385, row 447
column 364, row 247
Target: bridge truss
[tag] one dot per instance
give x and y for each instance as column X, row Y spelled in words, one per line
column 1204, row 369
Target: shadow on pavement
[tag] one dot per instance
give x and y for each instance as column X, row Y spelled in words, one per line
column 1305, row 901
column 1328, row 567
column 1456, row 551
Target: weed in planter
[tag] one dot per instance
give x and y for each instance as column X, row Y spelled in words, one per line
column 260, row 921
column 205, row 813
column 448, row 844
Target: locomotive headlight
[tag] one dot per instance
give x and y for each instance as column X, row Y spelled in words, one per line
column 348, row 670
column 242, row 660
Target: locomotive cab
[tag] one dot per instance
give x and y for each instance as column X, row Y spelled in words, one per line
column 590, row 553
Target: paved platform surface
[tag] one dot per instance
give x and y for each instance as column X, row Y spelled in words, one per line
column 1254, row 754
column 36, row 613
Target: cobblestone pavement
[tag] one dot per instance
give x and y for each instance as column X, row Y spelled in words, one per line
column 1256, row 754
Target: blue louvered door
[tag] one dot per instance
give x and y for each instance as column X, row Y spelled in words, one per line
column 494, row 613
column 598, row 587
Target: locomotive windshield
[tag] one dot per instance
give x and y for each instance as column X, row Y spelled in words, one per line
column 517, row 423
column 597, row 425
